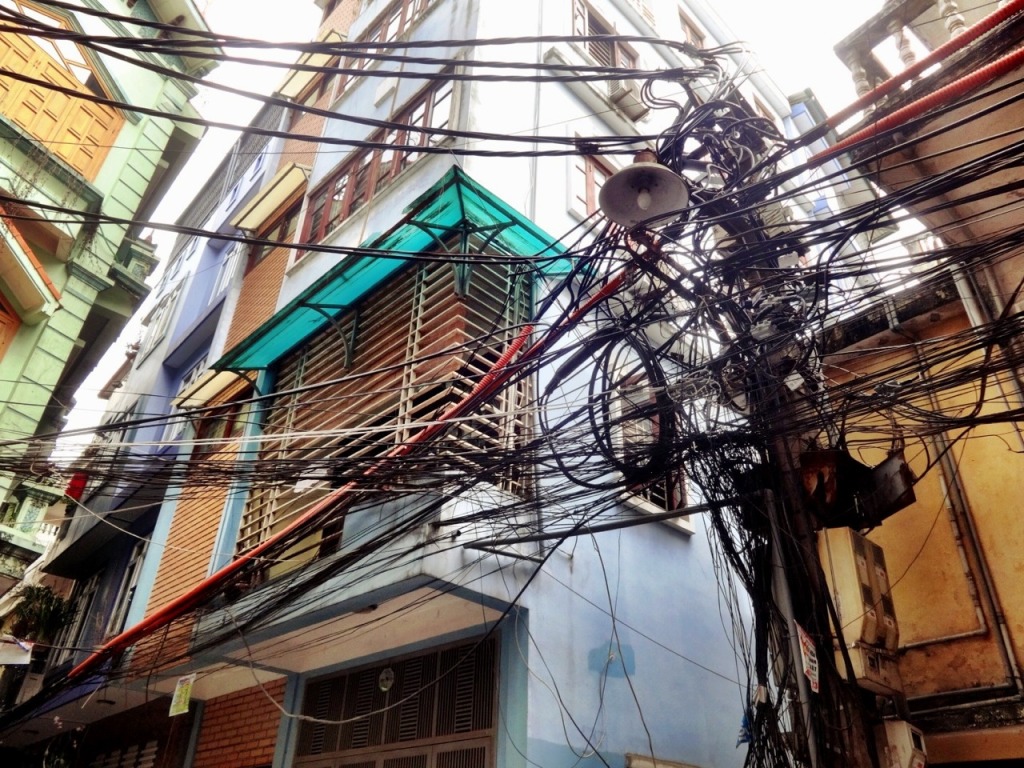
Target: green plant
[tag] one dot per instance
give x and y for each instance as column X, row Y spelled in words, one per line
column 40, row 613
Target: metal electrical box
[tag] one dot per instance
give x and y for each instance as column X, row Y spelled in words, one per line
column 858, row 579
column 874, row 668
column 900, row 745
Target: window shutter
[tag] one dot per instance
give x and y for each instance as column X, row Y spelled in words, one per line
column 438, row 713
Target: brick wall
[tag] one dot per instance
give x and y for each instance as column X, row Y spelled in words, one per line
column 186, row 557
column 258, row 297
column 239, row 730
column 341, row 18
column 305, row 124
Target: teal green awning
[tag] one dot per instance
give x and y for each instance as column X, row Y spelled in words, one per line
column 455, row 204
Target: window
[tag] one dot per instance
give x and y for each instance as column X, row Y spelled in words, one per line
column 319, row 86
column 176, row 425
column 282, row 230
column 435, row 710
column 78, row 131
column 126, row 590
column 118, row 433
column 228, row 266
column 406, row 353
column 607, row 53
column 159, row 321
column 654, row 484
column 367, row 172
column 396, row 20
column 218, row 426
column 588, row 176
column 692, row 34
column 82, row 629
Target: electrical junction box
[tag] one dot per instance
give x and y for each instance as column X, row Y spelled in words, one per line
column 844, row 559
column 875, row 669
column 858, row 578
column 900, row 745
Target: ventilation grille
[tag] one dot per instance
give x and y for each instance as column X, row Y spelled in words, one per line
column 433, row 699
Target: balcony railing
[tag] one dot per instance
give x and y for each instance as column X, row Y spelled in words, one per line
column 903, row 32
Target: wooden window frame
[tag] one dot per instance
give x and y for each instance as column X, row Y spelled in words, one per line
column 632, row 394
column 282, row 230
column 407, row 12
column 584, row 186
column 692, row 33
column 359, row 179
column 607, row 53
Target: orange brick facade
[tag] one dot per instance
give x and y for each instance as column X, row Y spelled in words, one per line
column 239, row 730
column 190, row 541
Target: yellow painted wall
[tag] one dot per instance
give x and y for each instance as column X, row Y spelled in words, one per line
column 931, row 591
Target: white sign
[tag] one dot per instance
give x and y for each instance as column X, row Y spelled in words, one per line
column 808, row 656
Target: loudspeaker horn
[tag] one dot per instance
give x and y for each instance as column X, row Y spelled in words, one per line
column 643, row 191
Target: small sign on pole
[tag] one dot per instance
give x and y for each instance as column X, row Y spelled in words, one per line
column 182, row 695
column 808, row 657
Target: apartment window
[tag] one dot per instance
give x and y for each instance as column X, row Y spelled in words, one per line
column 692, row 34
column 282, row 230
column 636, row 415
column 175, row 424
column 159, row 321
column 607, row 53
column 233, row 254
column 78, row 634
column 369, row 171
column 434, row 710
column 126, row 590
column 406, row 353
column 118, row 432
column 320, row 85
column 77, row 130
column 329, row 7
column 396, row 20
column 589, row 174
column 218, row 426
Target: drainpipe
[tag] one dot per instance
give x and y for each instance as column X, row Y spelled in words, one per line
column 956, row 495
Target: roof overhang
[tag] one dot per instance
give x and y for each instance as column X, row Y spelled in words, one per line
column 299, row 78
column 286, row 185
column 454, row 203
column 209, row 384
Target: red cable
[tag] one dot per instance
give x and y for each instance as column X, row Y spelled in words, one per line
column 968, row 35
column 948, row 92
column 495, row 377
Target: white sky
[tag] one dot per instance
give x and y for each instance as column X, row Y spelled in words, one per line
column 793, row 40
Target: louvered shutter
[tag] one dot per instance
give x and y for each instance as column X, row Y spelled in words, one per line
column 438, row 713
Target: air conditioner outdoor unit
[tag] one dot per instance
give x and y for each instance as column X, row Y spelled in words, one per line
column 625, row 94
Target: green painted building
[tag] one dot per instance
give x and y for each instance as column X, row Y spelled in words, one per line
column 89, row 142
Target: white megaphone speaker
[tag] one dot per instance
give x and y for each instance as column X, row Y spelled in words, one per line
column 643, row 191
